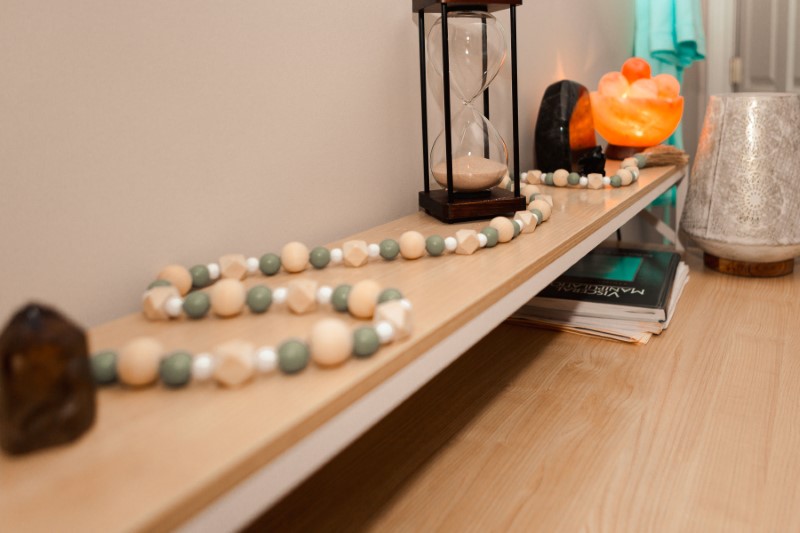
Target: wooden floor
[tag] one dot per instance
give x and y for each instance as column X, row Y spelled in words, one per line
column 535, row 431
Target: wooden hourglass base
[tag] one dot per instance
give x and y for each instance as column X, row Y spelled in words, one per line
column 748, row 268
column 498, row 202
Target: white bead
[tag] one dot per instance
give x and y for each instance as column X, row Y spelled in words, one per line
column 537, row 219
column 266, row 359
column 606, row 180
column 252, row 265
column 374, row 250
column 518, row 224
column 213, row 270
column 174, row 306
column 406, row 303
column 337, row 256
column 279, row 295
column 202, row 367
column 542, row 177
column 385, row 332
column 450, row 244
column 523, row 177
column 584, row 181
column 482, row 240
column 324, row 294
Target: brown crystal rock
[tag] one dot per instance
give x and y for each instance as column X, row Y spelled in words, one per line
column 47, row 394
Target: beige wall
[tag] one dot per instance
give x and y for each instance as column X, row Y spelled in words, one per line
column 135, row 134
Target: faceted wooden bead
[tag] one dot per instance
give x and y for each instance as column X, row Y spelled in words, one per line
column 504, row 227
column 412, row 245
column 560, row 178
column 228, row 297
column 179, row 276
column 542, row 206
column 468, row 242
column 625, row 176
column 294, row 257
column 331, row 342
column 236, row 363
column 233, row 266
column 546, row 197
column 534, row 176
column 398, row 315
column 137, row 361
column 527, row 219
column 363, row 297
column 301, row 295
column 629, row 162
column 355, row 253
column 154, row 300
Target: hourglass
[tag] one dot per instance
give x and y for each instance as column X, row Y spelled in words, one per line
column 469, row 158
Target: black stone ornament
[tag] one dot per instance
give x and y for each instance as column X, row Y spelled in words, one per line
column 565, row 136
column 47, row 394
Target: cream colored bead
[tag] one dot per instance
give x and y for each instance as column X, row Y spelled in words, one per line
column 504, row 227
column 629, row 162
column 542, row 206
column 527, row 219
column 331, row 342
column 236, row 363
column 363, row 297
column 233, row 266
column 179, row 276
column 530, row 190
column 301, row 296
column 294, row 257
column 468, row 242
column 355, row 253
column 155, row 299
column 595, row 181
column 504, row 182
column 398, row 315
column 137, row 361
column 227, row 297
column 625, row 176
column 560, row 177
column 412, row 245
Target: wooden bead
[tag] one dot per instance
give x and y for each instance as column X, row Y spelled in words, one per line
column 228, row 297
column 625, row 176
column 331, row 342
column 179, row 276
column 356, row 253
column 137, row 362
column 294, row 257
column 528, row 191
column 543, row 207
column 629, row 162
column 595, row 181
column 236, row 363
column 560, row 178
column 301, row 295
column 505, row 182
column 547, row 198
column 468, row 242
column 412, row 245
column 534, row 176
column 363, row 297
column 527, row 219
column 504, row 227
column 233, row 266
column 154, row 300
column 398, row 315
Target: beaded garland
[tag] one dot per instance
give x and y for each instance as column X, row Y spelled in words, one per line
column 628, row 173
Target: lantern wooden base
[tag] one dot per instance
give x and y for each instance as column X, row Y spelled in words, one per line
column 619, row 153
column 748, row 268
column 498, row 203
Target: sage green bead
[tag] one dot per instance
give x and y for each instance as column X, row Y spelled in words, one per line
column 292, row 356
column 196, row 304
column 200, row 276
column 548, row 178
column 259, row 298
column 574, row 178
column 616, row 181
column 104, row 367
column 389, row 294
column 339, row 297
column 434, row 245
column 159, row 283
column 389, row 249
column 175, row 370
column 319, row 257
column 539, row 216
column 491, row 236
column 641, row 160
column 269, row 264
column 517, row 228
column 365, row 341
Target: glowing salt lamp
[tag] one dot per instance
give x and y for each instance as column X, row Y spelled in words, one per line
column 633, row 111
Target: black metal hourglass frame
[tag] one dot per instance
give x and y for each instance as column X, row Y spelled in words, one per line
column 449, row 205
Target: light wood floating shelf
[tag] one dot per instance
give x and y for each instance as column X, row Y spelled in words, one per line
column 212, row 459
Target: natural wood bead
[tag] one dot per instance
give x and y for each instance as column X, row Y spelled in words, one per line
column 233, row 266
column 355, row 253
column 301, row 295
column 542, row 206
column 412, row 245
column 504, row 227
column 179, row 276
column 629, row 162
column 468, row 242
column 236, row 363
column 625, row 175
column 331, row 342
column 527, row 219
column 154, row 300
column 560, row 177
column 228, row 297
column 547, row 198
column 595, row 181
column 534, row 176
column 363, row 297
column 398, row 315
column 137, row 361
column 294, row 257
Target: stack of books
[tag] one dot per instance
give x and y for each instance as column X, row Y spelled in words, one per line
column 623, row 294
